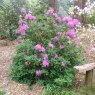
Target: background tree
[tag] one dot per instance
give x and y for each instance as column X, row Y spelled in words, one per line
column 53, row 4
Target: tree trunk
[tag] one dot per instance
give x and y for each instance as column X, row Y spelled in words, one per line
column 53, row 4
column 81, row 5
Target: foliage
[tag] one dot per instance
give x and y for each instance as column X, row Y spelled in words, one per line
column 64, row 6
column 49, row 52
column 1, row 92
column 52, row 89
column 8, row 21
column 90, row 19
column 39, row 6
column 9, row 15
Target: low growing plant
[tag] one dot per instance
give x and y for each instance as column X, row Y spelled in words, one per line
column 49, row 52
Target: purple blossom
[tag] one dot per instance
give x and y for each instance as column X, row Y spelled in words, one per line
column 67, row 19
column 51, row 45
column 23, row 27
column 70, row 24
column 68, row 38
column 59, row 19
column 56, row 56
column 62, row 64
column 20, row 32
column 61, row 47
column 44, row 56
column 55, row 15
column 76, row 43
column 29, row 17
column 38, row 47
column 71, row 33
column 50, row 11
column 38, row 72
column 75, row 21
column 56, row 39
column 23, row 10
column 45, row 63
column 43, row 49
column 20, row 22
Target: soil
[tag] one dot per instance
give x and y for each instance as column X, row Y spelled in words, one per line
column 7, row 49
column 10, row 87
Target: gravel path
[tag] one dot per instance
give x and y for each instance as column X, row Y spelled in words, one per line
column 8, row 86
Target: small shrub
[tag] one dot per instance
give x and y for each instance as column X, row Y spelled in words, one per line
column 49, row 52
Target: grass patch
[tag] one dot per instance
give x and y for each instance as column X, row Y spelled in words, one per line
column 56, row 90
column 1, row 92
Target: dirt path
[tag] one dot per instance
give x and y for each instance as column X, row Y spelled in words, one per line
column 8, row 86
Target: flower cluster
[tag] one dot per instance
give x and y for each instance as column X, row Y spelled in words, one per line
column 55, row 15
column 23, row 26
column 90, row 6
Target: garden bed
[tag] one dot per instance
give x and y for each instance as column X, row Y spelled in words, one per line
column 6, row 52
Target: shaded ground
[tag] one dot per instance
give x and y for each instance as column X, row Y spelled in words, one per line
column 87, row 40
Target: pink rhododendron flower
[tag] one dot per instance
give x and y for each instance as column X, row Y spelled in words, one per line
column 38, row 47
column 76, row 43
column 20, row 32
column 23, row 27
column 38, row 72
column 71, row 24
column 75, row 21
column 55, row 15
column 61, row 47
column 44, row 56
column 20, row 22
column 23, row 10
column 59, row 19
column 45, row 63
column 43, row 49
column 68, row 38
column 56, row 56
column 56, row 39
column 50, row 11
column 67, row 19
column 29, row 17
column 62, row 64
column 71, row 33
column 51, row 45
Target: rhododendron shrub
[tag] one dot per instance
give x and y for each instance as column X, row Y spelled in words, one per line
column 49, row 52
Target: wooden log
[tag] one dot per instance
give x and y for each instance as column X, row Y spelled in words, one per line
column 89, row 77
column 93, row 79
column 84, row 75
